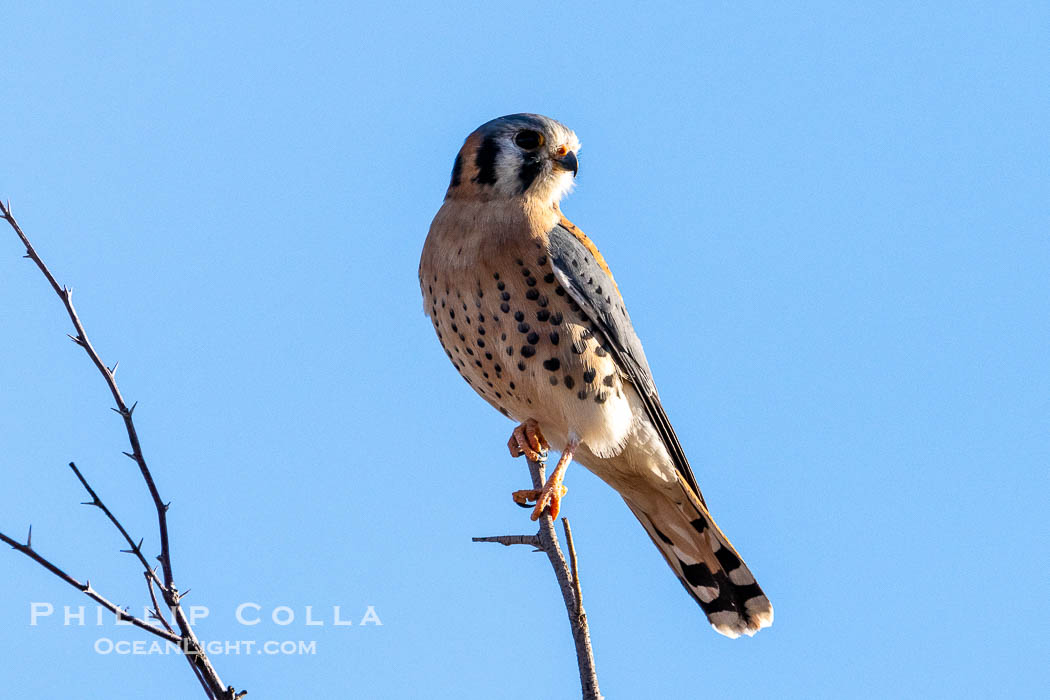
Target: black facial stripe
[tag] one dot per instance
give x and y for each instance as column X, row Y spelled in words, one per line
column 530, row 170
column 457, row 170
column 486, row 162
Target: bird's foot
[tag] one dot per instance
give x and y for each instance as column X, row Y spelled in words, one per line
column 550, row 495
column 529, row 441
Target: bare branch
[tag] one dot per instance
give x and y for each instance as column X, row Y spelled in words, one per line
column 186, row 638
column 81, row 339
column 136, row 548
column 546, row 541
column 508, row 540
column 86, row 589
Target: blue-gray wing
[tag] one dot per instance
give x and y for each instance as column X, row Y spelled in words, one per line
column 590, row 286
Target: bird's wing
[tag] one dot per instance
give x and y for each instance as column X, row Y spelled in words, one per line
column 581, row 270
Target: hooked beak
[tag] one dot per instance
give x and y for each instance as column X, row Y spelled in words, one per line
column 568, row 162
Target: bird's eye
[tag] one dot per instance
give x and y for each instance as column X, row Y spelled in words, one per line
column 529, row 139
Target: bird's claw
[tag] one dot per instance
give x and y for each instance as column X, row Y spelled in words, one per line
column 549, row 496
column 527, row 440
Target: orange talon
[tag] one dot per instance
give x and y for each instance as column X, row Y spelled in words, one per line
column 529, row 441
column 549, row 497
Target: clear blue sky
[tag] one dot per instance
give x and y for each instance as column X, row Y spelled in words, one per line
column 830, row 223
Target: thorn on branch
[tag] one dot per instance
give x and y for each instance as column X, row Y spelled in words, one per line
column 76, row 339
column 29, row 538
column 129, row 455
column 113, row 369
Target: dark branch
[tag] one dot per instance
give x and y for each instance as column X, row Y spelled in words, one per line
column 135, row 548
column 86, row 589
column 186, row 638
column 546, row 541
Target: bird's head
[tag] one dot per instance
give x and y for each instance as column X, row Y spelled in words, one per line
column 519, row 156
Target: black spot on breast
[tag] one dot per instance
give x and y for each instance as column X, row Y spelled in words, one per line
column 495, row 275
column 560, row 291
column 481, row 330
column 543, row 315
column 488, row 356
column 505, row 296
column 531, row 281
column 569, row 382
column 486, row 162
column 589, row 375
column 553, row 380
column 533, row 338
column 521, row 366
column 523, row 327
column 549, row 278
column 552, row 365
column 527, row 351
column 504, row 307
column 526, row 272
column 608, row 380
column 554, row 337
column 519, row 316
column 510, row 351
column 532, row 295
column 542, row 260
column 556, row 318
column 599, row 398
column 600, row 352
column 501, row 286
column 451, row 313
column 481, row 343
column 581, row 394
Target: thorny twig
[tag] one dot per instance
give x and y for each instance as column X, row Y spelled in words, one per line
column 546, row 541
column 185, row 638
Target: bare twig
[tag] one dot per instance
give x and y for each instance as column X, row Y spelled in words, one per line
column 186, row 637
column 135, row 547
column 546, row 541
column 86, row 589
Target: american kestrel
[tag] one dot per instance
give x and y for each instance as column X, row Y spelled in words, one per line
column 527, row 310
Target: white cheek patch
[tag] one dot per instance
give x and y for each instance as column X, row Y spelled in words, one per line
column 561, row 185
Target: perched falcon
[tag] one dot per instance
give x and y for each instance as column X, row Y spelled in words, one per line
column 527, row 310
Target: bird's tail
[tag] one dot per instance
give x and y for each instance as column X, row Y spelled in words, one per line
column 704, row 561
